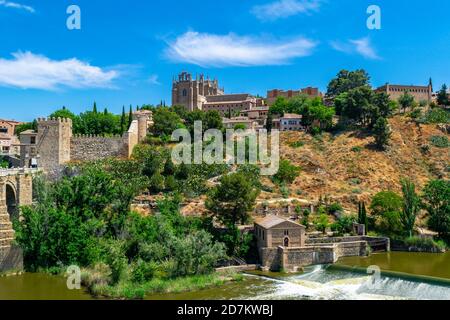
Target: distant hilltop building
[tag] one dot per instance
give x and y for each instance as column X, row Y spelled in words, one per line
column 205, row 94
column 272, row 95
column 420, row 93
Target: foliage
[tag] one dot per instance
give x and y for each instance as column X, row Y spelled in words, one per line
column 4, row 163
column 436, row 201
column 347, row 80
column 287, row 173
column 386, row 209
column 442, row 98
column 436, row 116
column 362, row 215
column 321, row 222
column 382, row 133
column 440, row 141
column 411, row 206
column 343, row 225
column 426, row 244
column 406, row 101
column 26, row 126
column 165, row 122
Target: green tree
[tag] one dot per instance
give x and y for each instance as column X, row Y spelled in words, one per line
column 122, row 120
column 443, row 96
column 165, row 122
column 406, row 101
column 386, row 208
column 230, row 202
column 94, row 109
column 382, row 133
column 362, row 215
column 130, row 116
column 287, row 172
column 346, row 81
column 436, row 201
column 63, row 113
column 411, row 206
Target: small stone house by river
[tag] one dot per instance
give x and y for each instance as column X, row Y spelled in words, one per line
column 284, row 245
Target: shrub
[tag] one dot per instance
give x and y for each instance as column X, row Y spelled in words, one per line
column 439, row 141
column 297, row 144
column 425, row 244
column 436, row 116
column 287, row 173
column 357, row 149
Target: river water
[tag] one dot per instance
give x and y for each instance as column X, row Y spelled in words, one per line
column 413, row 276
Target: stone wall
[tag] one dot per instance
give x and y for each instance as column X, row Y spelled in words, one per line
column 89, row 148
column 11, row 259
column 289, row 259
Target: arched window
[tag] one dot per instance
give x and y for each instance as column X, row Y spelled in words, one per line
column 286, row 242
column 184, row 92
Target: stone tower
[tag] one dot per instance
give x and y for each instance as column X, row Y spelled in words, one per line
column 54, row 138
column 191, row 93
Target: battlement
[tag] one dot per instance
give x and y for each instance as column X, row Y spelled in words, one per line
column 54, row 120
column 94, row 136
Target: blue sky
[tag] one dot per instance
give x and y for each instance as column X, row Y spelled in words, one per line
column 128, row 51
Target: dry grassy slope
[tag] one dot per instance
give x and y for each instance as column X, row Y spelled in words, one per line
column 332, row 167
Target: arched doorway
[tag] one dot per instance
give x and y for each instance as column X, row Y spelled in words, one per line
column 11, row 202
column 286, row 242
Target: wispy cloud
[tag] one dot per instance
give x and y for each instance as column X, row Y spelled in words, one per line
column 361, row 46
column 284, row 9
column 15, row 5
column 30, row 71
column 207, row 50
column 154, row 79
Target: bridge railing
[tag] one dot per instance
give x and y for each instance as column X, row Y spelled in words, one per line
column 16, row 171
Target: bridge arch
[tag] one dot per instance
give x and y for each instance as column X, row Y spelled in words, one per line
column 11, row 200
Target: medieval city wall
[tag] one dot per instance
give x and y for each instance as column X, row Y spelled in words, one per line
column 89, row 148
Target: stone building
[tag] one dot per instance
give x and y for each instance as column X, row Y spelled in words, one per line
column 247, row 123
column 420, row 93
column 191, row 93
column 53, row 144
column 288, row 122
column 205, row 95
column 284, row 245
column 8, row 139
column 273, row 231
column 272, row 95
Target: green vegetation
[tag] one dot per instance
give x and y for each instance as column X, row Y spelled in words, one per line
column 442, row 98
column 346, row 81
column 4, row 163
column 382, row 133
column 436, row 201
column 315, row 115
column 26, row 126
column 436, row 116
column 411, row 206
column 386, row 209
column 440, row 141
column 406, row 101
column 287, row 173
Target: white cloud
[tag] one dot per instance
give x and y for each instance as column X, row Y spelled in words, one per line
column 284, row 9
column 16, row 5
column 154, row 79
column 361, row 46
column 205, row 50
column 30, row 71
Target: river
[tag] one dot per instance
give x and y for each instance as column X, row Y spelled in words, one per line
column 409, row 276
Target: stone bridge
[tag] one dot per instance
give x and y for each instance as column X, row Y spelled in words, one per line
column 15, row 191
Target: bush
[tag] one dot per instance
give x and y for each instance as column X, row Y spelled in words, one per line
column 357, row 149
column 425, row 244
column 287, row 173
column 440, row 141
column 436, row 116
column 297, row 144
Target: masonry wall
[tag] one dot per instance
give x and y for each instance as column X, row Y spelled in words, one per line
column 89, row 148
column 11, row 259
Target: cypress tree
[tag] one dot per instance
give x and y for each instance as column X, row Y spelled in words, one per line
column 130, row 116
column 105, row 111
column 94, row 110
column 122, row 120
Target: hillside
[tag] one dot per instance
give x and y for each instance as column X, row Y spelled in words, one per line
column 347, row 168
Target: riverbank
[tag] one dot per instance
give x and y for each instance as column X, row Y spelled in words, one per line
column 98, row 286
